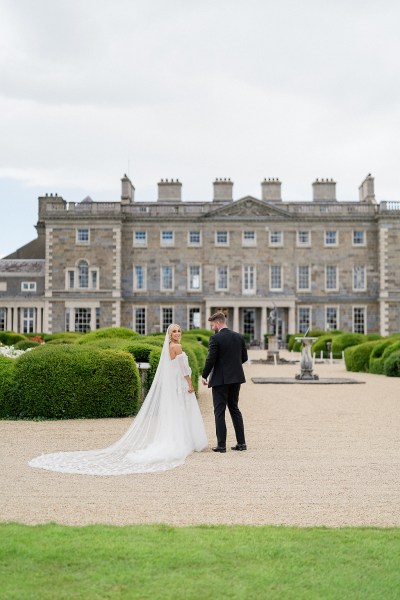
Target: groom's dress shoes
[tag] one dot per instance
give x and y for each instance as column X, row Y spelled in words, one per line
column 239, row 447
column 219, row 449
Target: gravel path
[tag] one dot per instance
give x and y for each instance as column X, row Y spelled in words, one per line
column 318, row 455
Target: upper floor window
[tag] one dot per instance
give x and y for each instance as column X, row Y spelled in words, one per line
column 304, row 238
column 139, row 278
column 359, row 278
column 82, row 277
column 140, row 238
column 222, row 278
column 167, row 278
column 28, row 286
column 194, row 278
column 249, row 238
column 249, row 280
column 167, row 238
column 275, row 277
column 275, row 238
column 331, row 238
column 303, row 278
column 82, row 236
column 221, row 238
column 194, row 238
column 83, row 274
column 331, row 277
column 359, row 237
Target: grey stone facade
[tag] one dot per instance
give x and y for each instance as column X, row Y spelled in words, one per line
column 271, row 265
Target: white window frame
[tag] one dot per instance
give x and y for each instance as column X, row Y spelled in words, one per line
column 299, row 242
column 140, row 243
column 28, row 317
column 162, row 288
column 336, row 242
column 276, row 244
column 299, row 289
column 28, row 286
column 162, row 308
column 75, row 276
column 194, row 244
column 221, row 289
column 304, row 307
column 134, row 323
column 251, row 291
column 82, row 242
column 136, row 288
column 275, row 289
column 219, row 243
column 167, row 243
column 353, row 309
column 327, row 325
column 364, row 288
column 364, row 242
column 250, row 242
column 331, row 289
column 189, row 281
column 197, row 308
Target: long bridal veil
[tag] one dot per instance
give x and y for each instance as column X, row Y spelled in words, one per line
column 158, row 439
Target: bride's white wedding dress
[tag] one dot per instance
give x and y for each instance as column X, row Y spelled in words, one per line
column 168, row 428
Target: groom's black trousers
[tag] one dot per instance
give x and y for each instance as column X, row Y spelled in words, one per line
column 227, row 395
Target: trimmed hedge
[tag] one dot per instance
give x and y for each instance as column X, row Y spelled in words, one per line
column 392, row 365
column 357, row 357
column 10, row 338
column 108, row 332
column 25, row 344
column 344, row 340
column 7, row 375
column 376, row 361
column 69, row 382
column 320, row 345
column 154, row 359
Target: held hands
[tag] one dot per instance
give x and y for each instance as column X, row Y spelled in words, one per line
column 204, row 381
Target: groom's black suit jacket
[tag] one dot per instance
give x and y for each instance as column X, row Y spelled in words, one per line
column 226, row 354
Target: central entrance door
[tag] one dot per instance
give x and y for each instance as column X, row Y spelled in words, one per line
column 249, row 322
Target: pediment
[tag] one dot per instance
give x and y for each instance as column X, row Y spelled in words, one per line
column 248, row 207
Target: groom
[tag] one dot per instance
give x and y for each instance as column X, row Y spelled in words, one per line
column 226, row 354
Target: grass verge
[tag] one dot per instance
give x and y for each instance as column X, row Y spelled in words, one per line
column 160, row 562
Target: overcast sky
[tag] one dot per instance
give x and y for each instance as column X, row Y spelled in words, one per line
column 93, row 89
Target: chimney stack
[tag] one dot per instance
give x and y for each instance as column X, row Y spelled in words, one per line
column 223, row 190
column 366, row 190
column 169, row 191
column 324, row 190
column 127, row 190
column 271, row 190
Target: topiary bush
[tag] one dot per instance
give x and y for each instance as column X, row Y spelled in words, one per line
column 393, row 347
column 392, row 365
column 320, row 345
column 69, row 382
column 25, row 344
column 10, row 338
column 108, row 332
column 154, row 359
column 7, row 375
column 344, row 340
column 357, row 358
column 376, row 359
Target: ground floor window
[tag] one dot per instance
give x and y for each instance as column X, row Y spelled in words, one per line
column 359, row 319
column 28, row 323
column 140, row 320
column 331, row 318
column 249, row 317
column 3, row 313
column 83, row 317
column 304, row 318
column 167, row 315
column 194, row 318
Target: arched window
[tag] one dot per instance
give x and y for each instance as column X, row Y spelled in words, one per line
column 83, row 274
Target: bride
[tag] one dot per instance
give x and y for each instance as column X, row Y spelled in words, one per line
column 166, row 430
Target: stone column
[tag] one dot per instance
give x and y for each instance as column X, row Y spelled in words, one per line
column 235, row 318
column 264, row 325
column 292, row 320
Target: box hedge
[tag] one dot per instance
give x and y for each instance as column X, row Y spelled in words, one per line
column 376, row 361
column 107, row 332
column 344, row 340
column 392, row 365
column 7, row 380
column 9, row 338
column 357, row 358
column 68, row 382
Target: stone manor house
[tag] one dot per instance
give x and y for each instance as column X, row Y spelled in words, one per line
column 273, row 266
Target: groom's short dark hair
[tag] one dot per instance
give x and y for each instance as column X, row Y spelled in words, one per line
column 218, row 316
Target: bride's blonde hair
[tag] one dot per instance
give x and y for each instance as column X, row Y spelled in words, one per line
column 170, row 328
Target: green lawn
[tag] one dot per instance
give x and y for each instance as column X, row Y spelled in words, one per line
column 160, row 562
